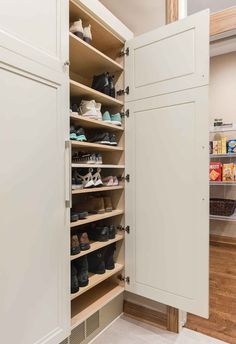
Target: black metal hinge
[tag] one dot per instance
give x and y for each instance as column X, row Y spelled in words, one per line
column 126, row 229
column 122, row 92
column 124, row 52
column 125, row 113
column 124, row 279
column 127, row 178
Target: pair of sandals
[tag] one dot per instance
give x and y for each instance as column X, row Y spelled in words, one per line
column 91, row 180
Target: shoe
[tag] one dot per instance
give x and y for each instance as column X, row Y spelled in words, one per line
column 84, row 241
column 88, row 34
column 73, row 135
column 98, row 157
column 74, row 109
column 77, row 29
column 77, row 183
column 74, row 245
column 81, row 210
column 115, row 181
column 74, row 286
column 101, row 83
column 107, row 204
column 87, row 108
column 113, row 140
column 112, row 91
column 108, row 257
column 74, row 217
column 106, row 117
column 97, row 205
column 96, row 262
column 87, row 179
column 97, row 180
column 102, row 138
column 108, row 181
column 112, row 232
column 84, row 158
column 116, row 119
column 98, row 109
column 81, row 265
column 99, row 233
column 80, row 135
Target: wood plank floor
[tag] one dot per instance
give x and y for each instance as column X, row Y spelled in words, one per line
column 222, row 321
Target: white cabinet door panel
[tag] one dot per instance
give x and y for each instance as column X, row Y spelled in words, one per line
column 169, row 59
column 167, row 199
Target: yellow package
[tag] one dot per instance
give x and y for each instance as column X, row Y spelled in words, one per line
column 228, row 172
column 223, row 145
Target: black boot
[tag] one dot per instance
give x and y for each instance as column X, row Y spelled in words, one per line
column 96, row 262
column 74, row 280
column 101, row 83
column 99, row 233
column 109, row 260
column 112, row 91
column 74, row 245
column 112, row 232
column 82, row 269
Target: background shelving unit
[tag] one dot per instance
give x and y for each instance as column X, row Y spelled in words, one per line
column 103, row 55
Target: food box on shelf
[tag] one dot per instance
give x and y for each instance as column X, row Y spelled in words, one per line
column 215, row 171
column 228, row 172
column 231, row 146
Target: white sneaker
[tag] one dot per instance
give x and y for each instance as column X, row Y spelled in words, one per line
column 87, row 180
column 88, row 109
column 77, row 29
column 98, row 109
column 87, row 34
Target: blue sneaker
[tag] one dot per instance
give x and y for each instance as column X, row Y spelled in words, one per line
column 80, row 135
column 73, row 135
column 106, row 117
column 116, row 119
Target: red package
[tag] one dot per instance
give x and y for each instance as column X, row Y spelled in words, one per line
column 215, row 172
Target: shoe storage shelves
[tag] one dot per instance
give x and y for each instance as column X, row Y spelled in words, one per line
column 92, row 178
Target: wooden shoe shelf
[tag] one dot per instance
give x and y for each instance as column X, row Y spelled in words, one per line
column 103, row 55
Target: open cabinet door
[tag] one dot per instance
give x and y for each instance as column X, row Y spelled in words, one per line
column 167, row 250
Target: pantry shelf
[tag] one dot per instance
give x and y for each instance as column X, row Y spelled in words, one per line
column 87, row 61
column 83, row 307
column 97, row 166
column 222, row 183
column 96, row 146
column 95, row 279
column 97, row 217
column 223, row 218
column 79, row 90
column 99, row 189
column 88, row 123
column 223, row 155
column 96, row 245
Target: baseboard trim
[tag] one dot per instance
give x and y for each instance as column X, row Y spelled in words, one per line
column 145, row 314
column 221, row 240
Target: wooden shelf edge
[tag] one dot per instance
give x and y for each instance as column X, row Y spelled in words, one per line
column 97, row 279
column 101, row 147
column 96, row 166
column 111, row 292
column 95, row 123
column 97, row 217
column 94, row 246
column 94, row 93
column 222, row 240
column 100, row 189
column 93, row 50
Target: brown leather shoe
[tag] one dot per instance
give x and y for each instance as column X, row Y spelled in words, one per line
column 107, row 204
column 84, row 241
column 97, row 205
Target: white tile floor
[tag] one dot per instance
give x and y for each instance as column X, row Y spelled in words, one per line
column 128, row 331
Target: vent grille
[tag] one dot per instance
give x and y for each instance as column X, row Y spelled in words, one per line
column 78, row 334
column 92, row 324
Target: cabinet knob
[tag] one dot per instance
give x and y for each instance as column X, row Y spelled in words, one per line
column 67, row 63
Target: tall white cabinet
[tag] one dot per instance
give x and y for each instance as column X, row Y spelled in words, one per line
column 166, row 150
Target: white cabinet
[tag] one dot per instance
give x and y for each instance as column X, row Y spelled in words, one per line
column 34, row 222
column 167, row 157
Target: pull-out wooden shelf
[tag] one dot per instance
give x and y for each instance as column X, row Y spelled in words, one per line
column 96, row 245
column 94, row 124
column 97, row 166
column 85, row 60
column 96, row 279
column 96, row 146
column 99, row 189
column 103, row 39
column 83, row 307
column 97, row 217
column 79, row 90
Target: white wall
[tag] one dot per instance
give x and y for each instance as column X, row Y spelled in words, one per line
column 138, row 16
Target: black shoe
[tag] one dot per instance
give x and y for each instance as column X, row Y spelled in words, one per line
column 74, row 217
column 102, row 138
column 74, row 245
column 101, row 83
column 80, row 135
column 96, row 262
column 74, row 108
column 112, row 91
column 113, row 140
column 81, row 265
column 84, row 241
column 73, row 135
column 99, row 233
column 112, row 232
column 74, row 280
column 108, row 257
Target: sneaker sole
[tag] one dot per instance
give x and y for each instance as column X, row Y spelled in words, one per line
column 108, row 210
column 115, row 122
column 84, row 284
column 84, row 247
